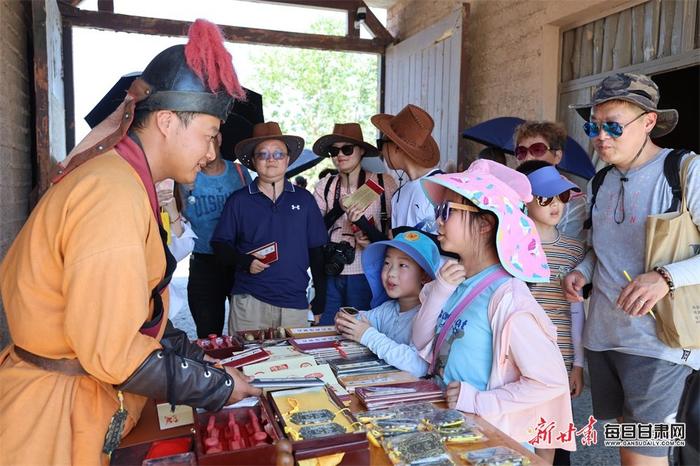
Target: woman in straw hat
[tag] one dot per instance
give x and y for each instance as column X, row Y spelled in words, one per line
column 346, row 283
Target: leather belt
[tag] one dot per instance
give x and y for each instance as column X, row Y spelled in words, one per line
column 63, row 366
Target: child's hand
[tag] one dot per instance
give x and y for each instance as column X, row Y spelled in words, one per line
column 573, row 284
column 351, row 328
column 453, row 272
column 576, row 381
column 452, row 394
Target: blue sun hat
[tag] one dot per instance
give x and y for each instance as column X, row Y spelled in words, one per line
column 548, row 182
column 415, row 244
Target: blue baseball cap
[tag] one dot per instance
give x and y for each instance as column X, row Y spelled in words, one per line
column 415, row 244
column 548, row 182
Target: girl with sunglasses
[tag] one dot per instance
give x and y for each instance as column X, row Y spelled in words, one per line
column 551, row 193
column 346, row 281
column 479, row 327
column 545, row 141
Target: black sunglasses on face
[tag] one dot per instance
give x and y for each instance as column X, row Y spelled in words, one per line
column 381, row 142
column 545, row 201
column 346, row 150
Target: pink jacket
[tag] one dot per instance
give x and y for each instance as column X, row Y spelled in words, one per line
column 528, row 380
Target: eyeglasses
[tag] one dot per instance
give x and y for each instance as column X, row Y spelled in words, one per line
column 347, row 149
column 613, row 128
column 545, row 201
column 265, row 155
column 537, row 149
column 442, row 211
column 381, row 142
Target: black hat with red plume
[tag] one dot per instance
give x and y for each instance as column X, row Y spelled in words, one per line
column 196, row 77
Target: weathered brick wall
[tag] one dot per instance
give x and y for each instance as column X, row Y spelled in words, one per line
column 15, row 127
column 504, row 50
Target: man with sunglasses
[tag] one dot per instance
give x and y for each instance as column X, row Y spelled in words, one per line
column 271, row 232
column 634, row 376
column 545, row 141
column 346, row 283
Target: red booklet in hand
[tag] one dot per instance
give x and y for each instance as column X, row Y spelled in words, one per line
column 266, row 254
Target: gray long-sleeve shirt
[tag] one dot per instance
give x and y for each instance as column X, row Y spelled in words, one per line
column 616, row 248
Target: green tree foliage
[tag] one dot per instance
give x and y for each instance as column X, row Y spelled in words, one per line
column 307, row 91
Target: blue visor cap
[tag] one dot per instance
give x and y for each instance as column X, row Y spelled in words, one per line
column 414, row 244
column 548, row 182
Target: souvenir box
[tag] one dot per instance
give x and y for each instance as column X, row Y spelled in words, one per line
column 220, row 347
column 249, row 447
column 352, row 443
column 147, row 437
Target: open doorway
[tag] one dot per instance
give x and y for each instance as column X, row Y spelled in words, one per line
column 680, row 89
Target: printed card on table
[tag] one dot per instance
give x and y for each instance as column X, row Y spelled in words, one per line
column 167, row 419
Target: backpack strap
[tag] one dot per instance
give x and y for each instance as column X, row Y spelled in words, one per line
column 240, row 173
column 672, row 172
column 596, row 183
column 383, row 217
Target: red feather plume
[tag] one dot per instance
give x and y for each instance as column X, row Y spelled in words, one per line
column 208, row 58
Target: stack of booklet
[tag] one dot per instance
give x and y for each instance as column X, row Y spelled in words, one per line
column 352, row 382
column 388, row 395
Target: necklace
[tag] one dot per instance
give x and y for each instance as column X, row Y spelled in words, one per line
column 619, row 213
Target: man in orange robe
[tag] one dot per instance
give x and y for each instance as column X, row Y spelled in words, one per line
column 84, row 284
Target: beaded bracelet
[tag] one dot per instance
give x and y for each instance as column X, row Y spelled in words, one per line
column 667, row 277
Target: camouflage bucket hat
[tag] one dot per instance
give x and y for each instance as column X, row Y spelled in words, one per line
column 637, row 89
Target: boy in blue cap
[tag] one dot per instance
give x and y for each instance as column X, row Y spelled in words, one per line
column 396, row 271
column 551, row 191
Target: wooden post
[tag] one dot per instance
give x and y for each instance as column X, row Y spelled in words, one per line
column 68, row 88
column 49, row 109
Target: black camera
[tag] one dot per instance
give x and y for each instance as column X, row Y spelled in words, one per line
column 337, row 256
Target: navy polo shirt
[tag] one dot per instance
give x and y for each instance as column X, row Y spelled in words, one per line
column 250, row 220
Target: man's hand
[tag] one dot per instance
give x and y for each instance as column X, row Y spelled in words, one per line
column 452, row 394
column 573, row 284
column 453, row 272
column 317, row 318
column 576, row 381
column 256, row 266
column 351, row 328
column 241, row 387
column 642, row 293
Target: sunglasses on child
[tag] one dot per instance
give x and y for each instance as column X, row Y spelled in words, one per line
column 613, row 128
column 442, row 211
column 545, row 201
column 265, row 155
column 537, row 149
column 346, row 150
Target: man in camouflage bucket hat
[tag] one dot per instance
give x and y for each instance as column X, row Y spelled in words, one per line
column 634, row 375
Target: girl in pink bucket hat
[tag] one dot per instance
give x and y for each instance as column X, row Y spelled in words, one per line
column 479, row 327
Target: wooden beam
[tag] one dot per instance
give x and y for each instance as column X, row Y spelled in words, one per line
column 462, row 145
column 169, row 27
column 105, row 5
column 352, row 32
column 68, row 88
column 327, row 4
column 377, row 28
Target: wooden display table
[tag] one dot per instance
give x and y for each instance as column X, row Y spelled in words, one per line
column 147, row 430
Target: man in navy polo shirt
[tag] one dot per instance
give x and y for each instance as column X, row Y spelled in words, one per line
column 284, row 224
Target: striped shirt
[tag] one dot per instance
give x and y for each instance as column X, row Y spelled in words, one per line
column 563, row 255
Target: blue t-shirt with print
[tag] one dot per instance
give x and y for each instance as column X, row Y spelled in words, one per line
column 469, row 342
column 204, row 201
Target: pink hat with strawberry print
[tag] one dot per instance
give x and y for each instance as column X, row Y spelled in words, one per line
column 503, row 191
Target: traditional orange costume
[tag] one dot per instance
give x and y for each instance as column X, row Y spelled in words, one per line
column 86, row 275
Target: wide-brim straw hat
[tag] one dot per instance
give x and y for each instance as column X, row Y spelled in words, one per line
column 344, row 132
column 411, row 129
column 637, row 89
column 264, row 132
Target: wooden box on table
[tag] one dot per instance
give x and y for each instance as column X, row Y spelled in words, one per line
column 353, row 445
